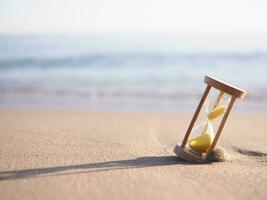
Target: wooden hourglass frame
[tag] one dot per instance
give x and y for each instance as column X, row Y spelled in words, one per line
column 185, row 152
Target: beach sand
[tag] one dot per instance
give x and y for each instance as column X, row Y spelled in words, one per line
column 97, row 155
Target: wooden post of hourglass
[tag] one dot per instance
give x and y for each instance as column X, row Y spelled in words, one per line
column 219, row 131
column 192, row 123
column 197, row 113
column 182, row 150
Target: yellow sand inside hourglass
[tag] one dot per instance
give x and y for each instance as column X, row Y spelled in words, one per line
column 201, row 143
column 216, row 112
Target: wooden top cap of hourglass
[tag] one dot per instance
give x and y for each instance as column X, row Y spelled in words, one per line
column 228, row 88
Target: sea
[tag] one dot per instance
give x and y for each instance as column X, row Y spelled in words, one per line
column 129, row 73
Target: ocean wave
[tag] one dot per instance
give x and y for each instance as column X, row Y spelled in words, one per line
column 158, row 69
column 258, row 96
column 113, row 60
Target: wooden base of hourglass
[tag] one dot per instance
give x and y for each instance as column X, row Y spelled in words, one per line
column 188, row 154
column 182, row 150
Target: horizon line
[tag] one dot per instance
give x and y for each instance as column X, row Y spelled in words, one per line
column 135, row 34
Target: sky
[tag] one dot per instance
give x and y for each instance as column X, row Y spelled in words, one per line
column 133, row 16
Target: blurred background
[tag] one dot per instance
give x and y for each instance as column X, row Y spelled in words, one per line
column 122, row 55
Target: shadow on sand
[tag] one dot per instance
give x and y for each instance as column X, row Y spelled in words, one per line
column 140, row 162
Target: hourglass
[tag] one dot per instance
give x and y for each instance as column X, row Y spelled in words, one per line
column 200, row 141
